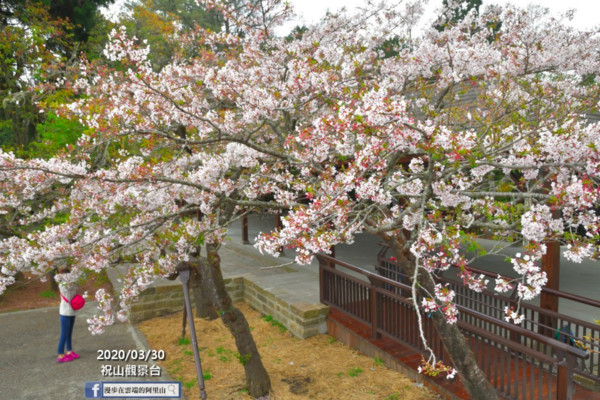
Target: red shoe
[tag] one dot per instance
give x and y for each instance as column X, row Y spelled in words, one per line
column 63, row 359
column 73, row 355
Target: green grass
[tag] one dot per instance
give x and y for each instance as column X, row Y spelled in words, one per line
column 332, row 340
column 242, row 359
column 224, row 355
column 275, row 323
column 354, row 371
column 189, row 384
column 206, row 374
column 183, row 341
column 378, row 362
column 188, row 352
column 49, row 294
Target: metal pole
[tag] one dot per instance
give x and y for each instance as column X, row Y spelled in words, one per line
column 184, row 276
column 184, row 322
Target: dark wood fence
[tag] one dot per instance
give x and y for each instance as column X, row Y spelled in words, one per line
column 515, row 369
column 567, row 329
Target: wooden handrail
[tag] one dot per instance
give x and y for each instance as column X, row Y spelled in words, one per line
column 525, row 332
column 559, row 293
column 325, row 261
column 515, row 346
column 369, row 274
column 533, row 307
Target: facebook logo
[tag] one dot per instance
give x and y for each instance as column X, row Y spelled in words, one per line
column 93, row 390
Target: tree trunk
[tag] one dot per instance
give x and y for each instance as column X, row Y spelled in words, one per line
column 204, row 306
column 471, row 375
column 454, row 342
column 53, row 284
column 257, row 379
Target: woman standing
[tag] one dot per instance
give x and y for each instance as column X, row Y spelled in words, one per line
column 68, row 289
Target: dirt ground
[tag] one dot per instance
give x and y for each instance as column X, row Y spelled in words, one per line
column 31, row 293
column 315, row 368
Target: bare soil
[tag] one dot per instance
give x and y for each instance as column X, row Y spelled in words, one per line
column 316, row 368
column 31, row 292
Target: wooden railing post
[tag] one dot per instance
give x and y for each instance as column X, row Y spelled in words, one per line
column 322, row 277
column 374, row 319
column 564, row 380
column 551, row 266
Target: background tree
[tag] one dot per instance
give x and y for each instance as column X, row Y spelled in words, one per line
column 39, row 40
column 24, row 54
column 454, row 11
column 160, row 23
column 83, row 15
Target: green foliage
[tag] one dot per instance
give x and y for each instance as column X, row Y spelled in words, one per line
column 378, row 362
column 183, row 341
column 49, row 294
column 391, row 47
column 242, row 359
column 188, row 352
column 457, row 14
column 355, row 371
column 190, row 384
column 55, row 134
column 296, row 33
column 84, row 15
column 156, row 21
column 28, row 42
column 274, row 322
column 224, row 355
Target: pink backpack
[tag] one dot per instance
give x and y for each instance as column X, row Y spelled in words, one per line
column 77, row 302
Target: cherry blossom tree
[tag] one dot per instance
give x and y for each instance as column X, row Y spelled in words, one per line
column 467, row 130
column 168, row 163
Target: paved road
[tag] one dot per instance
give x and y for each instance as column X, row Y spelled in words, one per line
column 28, row 368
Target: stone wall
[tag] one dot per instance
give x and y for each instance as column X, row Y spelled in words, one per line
column 302, row 319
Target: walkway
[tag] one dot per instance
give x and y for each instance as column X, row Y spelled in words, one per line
column 28, row 368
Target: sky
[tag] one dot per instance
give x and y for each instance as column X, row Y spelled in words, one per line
column 587, row 15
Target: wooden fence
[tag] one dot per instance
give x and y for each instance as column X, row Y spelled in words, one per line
column 517, row 370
